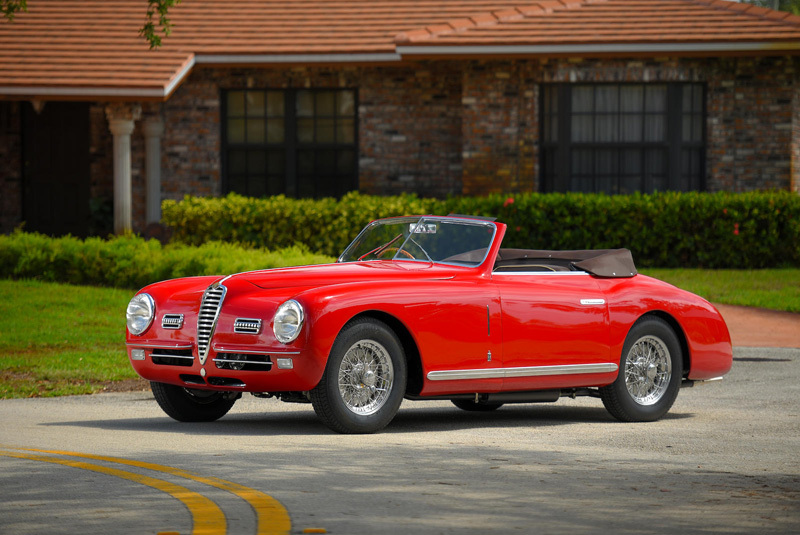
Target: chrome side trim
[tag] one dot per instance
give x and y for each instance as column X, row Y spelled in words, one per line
column 529, row 371
column 593, row 301
column 539, row 273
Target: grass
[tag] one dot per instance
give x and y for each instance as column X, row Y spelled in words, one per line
column 776, row 289
column 57, row 339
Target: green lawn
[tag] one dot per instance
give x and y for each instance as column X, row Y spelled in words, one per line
column 57, row 339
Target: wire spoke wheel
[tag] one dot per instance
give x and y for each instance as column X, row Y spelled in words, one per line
column 365, row 377
column 648, row 370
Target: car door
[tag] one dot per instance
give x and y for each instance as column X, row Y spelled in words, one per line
column 555, row 330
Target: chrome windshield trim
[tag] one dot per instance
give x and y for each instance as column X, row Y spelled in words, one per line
column 540, row 273
column 528, row 371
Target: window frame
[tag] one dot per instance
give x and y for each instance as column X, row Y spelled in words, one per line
column 558, row 175
column 291, row 146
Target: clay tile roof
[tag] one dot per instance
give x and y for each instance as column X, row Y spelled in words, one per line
column 91, row 48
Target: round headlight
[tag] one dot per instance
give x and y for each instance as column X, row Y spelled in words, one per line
column 140, row 313
column 288, row 321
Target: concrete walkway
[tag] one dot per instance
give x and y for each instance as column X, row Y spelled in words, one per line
column 757, row 327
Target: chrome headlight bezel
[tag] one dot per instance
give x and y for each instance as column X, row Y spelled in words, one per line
column 288, row 321
column 140, row 314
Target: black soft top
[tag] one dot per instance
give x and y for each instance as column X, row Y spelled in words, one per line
column 609, row 263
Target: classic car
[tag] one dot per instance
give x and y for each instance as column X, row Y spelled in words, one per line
column 426, row 308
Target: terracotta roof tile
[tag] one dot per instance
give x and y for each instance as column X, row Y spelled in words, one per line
column 91, row 48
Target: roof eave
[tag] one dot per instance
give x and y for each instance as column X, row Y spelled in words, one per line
column 597, row 49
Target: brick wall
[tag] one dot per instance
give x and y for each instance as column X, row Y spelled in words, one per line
column 450, row 127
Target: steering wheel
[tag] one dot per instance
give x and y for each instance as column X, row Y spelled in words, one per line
column 394, row 250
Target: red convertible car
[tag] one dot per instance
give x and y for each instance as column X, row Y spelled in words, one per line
column 426, row 308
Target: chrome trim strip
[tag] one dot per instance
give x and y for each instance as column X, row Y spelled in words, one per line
column 529, row 371
column 159, row 355
column 223, row 349
column 145, row 345
column 593, row 301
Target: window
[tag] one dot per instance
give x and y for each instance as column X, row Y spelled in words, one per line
column 298, row 142
column 623, row 138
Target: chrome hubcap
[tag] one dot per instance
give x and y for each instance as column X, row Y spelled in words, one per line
column 365, row 377
column 648, row 370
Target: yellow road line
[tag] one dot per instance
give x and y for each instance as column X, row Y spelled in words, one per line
column 272, row 517
column 207, row 517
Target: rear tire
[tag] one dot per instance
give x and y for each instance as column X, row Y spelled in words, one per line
column 190, row 405
column 650, row 373
column 364, row 380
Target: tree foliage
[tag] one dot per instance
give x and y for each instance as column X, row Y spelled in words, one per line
column 156, row 18
column 792, row 6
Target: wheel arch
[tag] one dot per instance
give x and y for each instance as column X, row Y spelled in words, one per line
column 410, row 348
column 679, row 333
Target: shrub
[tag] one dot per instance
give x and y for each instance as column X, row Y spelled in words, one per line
column 713, row 230
column 132, row 262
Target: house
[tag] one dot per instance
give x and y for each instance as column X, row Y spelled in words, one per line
column 321, row 97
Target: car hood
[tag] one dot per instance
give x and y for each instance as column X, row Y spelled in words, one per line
column 329, row 274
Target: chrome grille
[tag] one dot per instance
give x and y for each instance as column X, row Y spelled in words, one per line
column 172, row 321
column 207, row 319
column 247, row 326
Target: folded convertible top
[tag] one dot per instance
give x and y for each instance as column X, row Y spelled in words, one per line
column 610, row 263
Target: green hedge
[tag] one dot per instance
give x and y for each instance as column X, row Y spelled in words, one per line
column 719, row 230
column 132, row 262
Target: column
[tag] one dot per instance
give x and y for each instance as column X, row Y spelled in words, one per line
column 121, row 119
column 153, row 130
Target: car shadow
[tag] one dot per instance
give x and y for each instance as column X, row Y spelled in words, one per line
column 407, row 420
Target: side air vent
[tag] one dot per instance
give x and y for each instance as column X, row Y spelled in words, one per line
column 172, row 321
column 207, row 319
column 247, row 326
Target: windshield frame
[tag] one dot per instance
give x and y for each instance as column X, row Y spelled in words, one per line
column 416, row 221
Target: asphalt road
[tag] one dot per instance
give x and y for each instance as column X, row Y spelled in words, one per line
column 725, row 460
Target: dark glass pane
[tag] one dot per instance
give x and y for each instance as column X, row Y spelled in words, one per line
column 655, row 171
column 276, row 184
column 631, row 128
column 582, row 162
column 304, row 104
column 276, row 129
column 346, row 162
column 326, row 103
column 631, row 162
column 655, row 127
column 345, row 131
column 275, row 101
column 631, row 98
column 607, row 99
column 582, row 128
column 606, row 128
column 326, row 130
column 305, row 162
column 276, row 162
column 655, row 98
column 582, row 98
column 256, row 131
column 326, row 162
column 606, row 162
column 346, row 103
column 237, row 183
column 236, row 131
column 257, row 186
column 305, row 130
column 256, row 162
column 255, row 104
column 237, row 162
column 235, row 103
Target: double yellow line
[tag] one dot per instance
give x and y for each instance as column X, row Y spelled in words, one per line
column 207, row 518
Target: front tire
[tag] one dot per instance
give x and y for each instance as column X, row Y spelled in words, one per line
column 650, row 373
column 364, row 380
column 190, row 405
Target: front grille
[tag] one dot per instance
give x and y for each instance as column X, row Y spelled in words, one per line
column 242, row 361
column 172, row 321
column 207, row 319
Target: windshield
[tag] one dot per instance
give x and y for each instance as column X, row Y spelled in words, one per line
column 426, row 239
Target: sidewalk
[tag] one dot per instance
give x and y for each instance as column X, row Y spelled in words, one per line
column 757, row 327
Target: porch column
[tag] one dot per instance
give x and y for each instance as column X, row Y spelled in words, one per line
column 121, row 118
column 153, row 130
